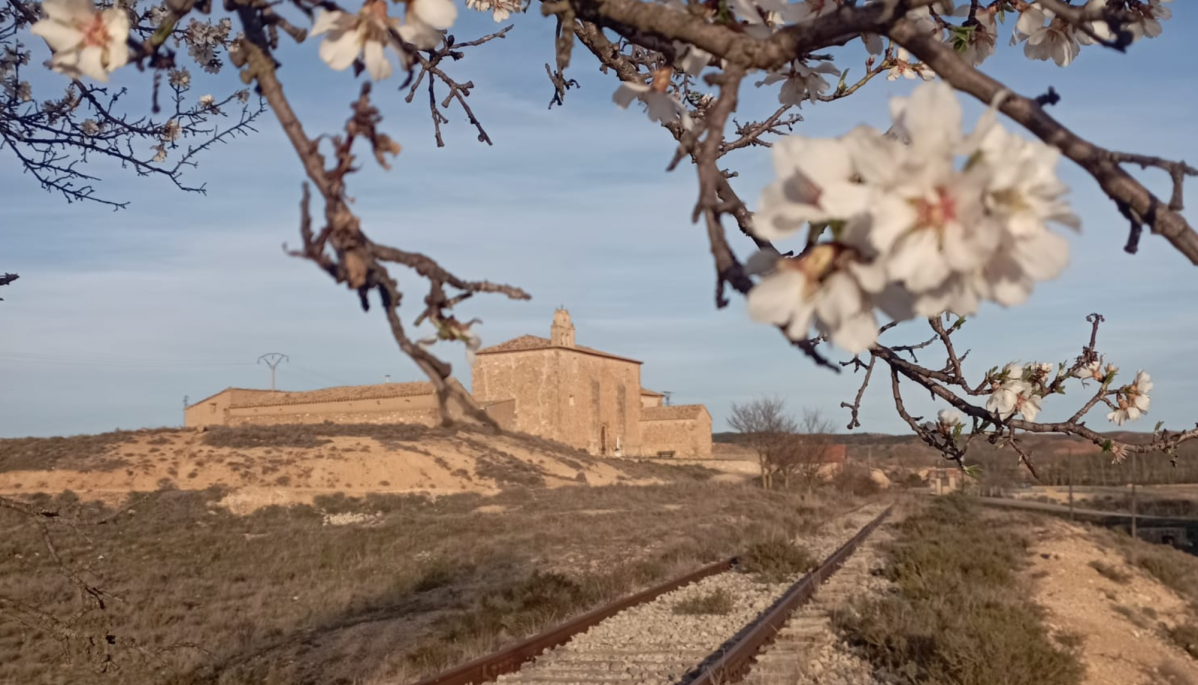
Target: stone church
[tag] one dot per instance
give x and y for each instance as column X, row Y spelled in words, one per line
column 548, row 387
column 586, row 398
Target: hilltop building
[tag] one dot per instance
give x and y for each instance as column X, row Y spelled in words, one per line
column 549, row 387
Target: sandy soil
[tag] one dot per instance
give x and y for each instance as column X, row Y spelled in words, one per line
column 1119, row 622
column 263, row 476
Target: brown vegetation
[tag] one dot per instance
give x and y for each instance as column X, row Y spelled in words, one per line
column 715, row 603
column 385, row 587
column 960, row 615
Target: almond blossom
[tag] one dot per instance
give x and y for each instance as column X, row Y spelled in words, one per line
column 425, row 22
column 978, row 42
column 1012, row 393
column 364, row 34
column 662, row 106
column 820, row 288
column 816, row 181
column 85, row 41
column 500, row 9
column 948, row 419
column 801, row 82
column 1132, row 400
column 1057, row 40
column 904, row 67
column 1149, row 22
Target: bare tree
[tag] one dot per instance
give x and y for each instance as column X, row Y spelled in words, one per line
column 808, row 451
column 769, row 430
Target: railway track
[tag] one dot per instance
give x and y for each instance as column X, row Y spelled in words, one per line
column 642, row 640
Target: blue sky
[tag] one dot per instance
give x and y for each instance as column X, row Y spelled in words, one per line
column 118, row 316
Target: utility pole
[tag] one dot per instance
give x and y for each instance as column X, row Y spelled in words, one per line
column 1133, row 495
column 273, row 359
column 1070, row 458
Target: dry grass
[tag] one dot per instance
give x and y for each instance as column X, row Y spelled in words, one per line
column 279, row 597
column 714, row 603
column 776, row 559
column 77, row 451
column 960, row 616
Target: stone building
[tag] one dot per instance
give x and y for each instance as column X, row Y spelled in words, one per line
column 586, row 398
column 385, row 403
column 548, row 387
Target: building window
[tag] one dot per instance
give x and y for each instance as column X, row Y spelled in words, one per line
column 571, row 400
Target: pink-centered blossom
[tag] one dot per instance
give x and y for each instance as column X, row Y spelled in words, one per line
column 85, row 41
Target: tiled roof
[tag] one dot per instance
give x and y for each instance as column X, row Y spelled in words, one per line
column 645, row 392
column 534, row 342
column 344, row 393
column 223, row 392
column 674, row 413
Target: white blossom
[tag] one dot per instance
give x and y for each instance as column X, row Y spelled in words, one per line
column 243, row 96
column 207, row 101
column 500, row 9
column 690, row 59
column 180, row 78
column 762, row 16
column 89, row 127
column 662, row 106
column 903, row 67
column 425, row 22
column 203, row 38
column 365, row 34
column 1148, row 23
column 1013, row 394
column 979, row 44
column 948, row 418
column 818, row 289
column 160, row 152
column 170, row 131
column 1132, row 400
column 922, row 16
column 1057, row 40
column 801, row 82
column 85, row 42
column 815, row 181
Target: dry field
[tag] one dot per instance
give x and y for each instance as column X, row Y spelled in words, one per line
column 293, row 464
column 341, row 590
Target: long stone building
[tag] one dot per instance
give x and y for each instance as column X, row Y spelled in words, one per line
column 548, row 387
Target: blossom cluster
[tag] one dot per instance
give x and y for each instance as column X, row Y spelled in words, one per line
column 915, row 231
column 1019, row 389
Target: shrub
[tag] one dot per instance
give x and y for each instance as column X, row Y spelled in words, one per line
column 777, row 560
column 714, row 603
column 959, row 616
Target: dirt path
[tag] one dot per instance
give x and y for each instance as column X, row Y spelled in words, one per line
column 1118, row 615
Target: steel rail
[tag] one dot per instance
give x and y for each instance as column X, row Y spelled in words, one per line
column 736, row 661
column 730, row 667
column 510, row 659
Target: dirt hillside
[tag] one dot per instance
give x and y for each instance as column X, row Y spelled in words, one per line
column 292, row 464
column 1122, row 615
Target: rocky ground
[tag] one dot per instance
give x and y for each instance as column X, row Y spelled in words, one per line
column 653, row 644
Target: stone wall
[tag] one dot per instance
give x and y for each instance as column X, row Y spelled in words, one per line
column 584, row 400
column 687, row 438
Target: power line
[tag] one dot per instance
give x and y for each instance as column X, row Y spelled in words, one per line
column 34, row 358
